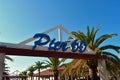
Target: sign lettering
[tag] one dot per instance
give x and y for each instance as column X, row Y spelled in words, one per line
column 75, row 46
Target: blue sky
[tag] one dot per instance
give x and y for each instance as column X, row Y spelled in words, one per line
column 21, row 19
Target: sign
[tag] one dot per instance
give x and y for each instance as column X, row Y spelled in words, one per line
column 75, row 46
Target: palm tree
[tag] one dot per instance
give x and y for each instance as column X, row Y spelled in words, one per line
column 76, row 68
column 95, row 44
column 81, row 69
column 54, row 63
column 6, row 69
column 23, row 75
column 38, row 66
column 31, row 70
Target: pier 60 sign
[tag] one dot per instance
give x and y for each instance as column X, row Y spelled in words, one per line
column 75, row 45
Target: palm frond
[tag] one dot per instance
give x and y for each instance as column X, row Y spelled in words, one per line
column 112, row 66
column 69, row 67
column 8, row 58
column 39, row 65
column 48, row 63
column 111, row 55
column 94, row 34
column 62, row 60
column 80, row 35
column 103, row 38
column 88, row 31
column 112, row 47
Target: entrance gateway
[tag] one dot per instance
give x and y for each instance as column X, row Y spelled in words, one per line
column 78, row 49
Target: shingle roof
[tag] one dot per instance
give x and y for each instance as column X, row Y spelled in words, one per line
column 49, row 72
column 45, row 73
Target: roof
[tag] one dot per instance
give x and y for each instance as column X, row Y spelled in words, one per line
column 48, row 72
column 45, row 73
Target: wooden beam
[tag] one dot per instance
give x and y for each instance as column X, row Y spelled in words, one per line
column 41, row 53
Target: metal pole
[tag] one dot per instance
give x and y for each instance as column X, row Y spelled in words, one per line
column 60, row 34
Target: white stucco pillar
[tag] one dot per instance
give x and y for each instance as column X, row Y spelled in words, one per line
column 2, row 65
column 103, row 73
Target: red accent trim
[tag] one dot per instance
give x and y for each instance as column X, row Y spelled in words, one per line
column 40, row 53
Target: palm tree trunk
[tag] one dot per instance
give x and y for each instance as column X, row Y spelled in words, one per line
column 56, row 77
column 39, row 74
column 55, row 74
column 93, row 68
column 94, row 73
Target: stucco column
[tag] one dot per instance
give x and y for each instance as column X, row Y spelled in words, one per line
column 2, row 65
column 103, row 73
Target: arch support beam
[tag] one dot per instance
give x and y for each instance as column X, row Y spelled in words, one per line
column 42, row 53
column 2, row 65
column 103, row 73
